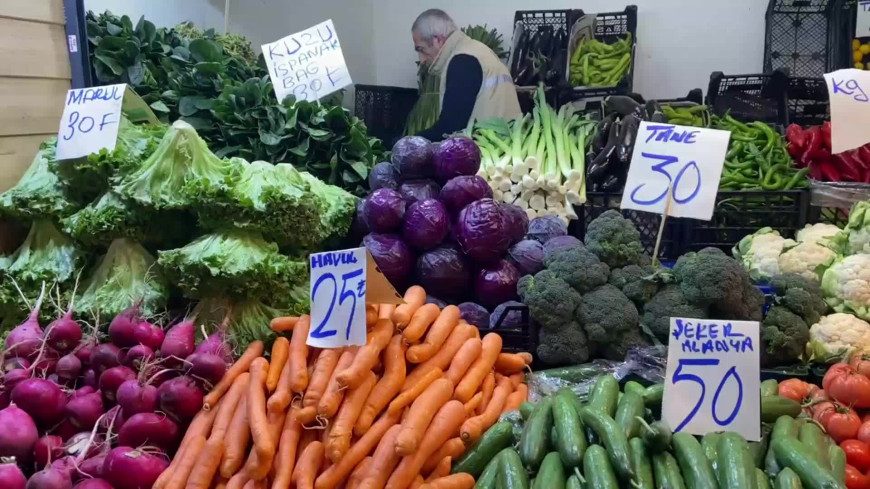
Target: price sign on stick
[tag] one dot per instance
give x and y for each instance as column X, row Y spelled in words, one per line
column 677, row 168
column 849, row 92
column 712, row 379
column 91, row 117
column 341, row 284
column 862, row 19
column 308, row 65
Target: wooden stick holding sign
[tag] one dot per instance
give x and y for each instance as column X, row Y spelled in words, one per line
column 655, row 256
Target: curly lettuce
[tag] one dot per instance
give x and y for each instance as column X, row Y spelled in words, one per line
column 39, row 193
column 246, row 320
column 337, row 210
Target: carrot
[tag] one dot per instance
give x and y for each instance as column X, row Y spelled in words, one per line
column 437, row 335
column 453, row 481
column 323, row 368
column 358, row 474
column 342, row 425
column 336, row 473
column 228, row 404
column 286, row 456
column 206, row 464
column 237, row 481
column 384, row 459
column 385, row 311
column 283, row 323
column 526, row 356
column 200, row 426
column 443, row 427
column 442, row 359
column 415, row 297
column 453, row 448
column 517, row 379
column 480, row 368
column 472, row 428
column 308, row 465
column 282, row 397
column 409, row 395
column 462, row 361
column 486, row 389
column 185, row 463
column 221, row 483
column 517, row 397
column 442, row 469
column 417, row 483
column 263, row 442
column 371, row 315
column 257, row 467
column 420, row 322
column 252, row 484
column 299, row 355
column 280, row 351
column 243, row 364
column 238, row 434
column 331, row 399
column 472, row 404
column 420, row 415
column 509, row 363
column 367, row 356
column 387, row 387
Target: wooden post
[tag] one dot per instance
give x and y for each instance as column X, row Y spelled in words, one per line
column 655, row 257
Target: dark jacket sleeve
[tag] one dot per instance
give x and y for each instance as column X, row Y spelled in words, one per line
column 464, row 78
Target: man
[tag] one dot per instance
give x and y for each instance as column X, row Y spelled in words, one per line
column 475, row 84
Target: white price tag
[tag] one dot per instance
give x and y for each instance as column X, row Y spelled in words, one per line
column 849, row 92
column 90, row 121
column 683, row 161
column 862, row 19
column 308, row 65
column 712, row 381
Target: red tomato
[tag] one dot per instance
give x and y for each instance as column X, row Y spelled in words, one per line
column 861, row 363
column 855, row 479
column 835, row 370
column 857, row 454
column 850, row 388
column 839, row 421
column 794, row 389
column 864, row 432
column 865, row 417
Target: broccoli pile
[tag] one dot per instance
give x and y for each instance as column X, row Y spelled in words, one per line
column 785, row 330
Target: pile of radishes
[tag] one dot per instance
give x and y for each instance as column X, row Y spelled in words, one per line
column 75, row 412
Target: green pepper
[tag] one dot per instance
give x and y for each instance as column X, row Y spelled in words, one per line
column 796, row 178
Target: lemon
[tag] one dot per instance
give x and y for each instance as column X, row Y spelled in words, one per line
column 860, row 66
column 855, row 44
column 865, row 48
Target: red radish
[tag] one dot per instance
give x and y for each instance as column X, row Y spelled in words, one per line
column 158, row 377
column 18, row 433
column 84, row 411
column 89, row 379
column 26, row 339
column 137, row 356
column 50, row 478
column 11, row 476
column 65, row 430
column 179, row 342
column 105, row 356
column 93, row 467
column 148, row 334
column 64, row 333
column 12, row 363
column 82, row 446
column 68, row 369
column 149, row 429
column 46, row 362
column 41, row 399
column 135, row 398
column 84, row 351
column 216, row 344
column 180, row 397
column 14, row 377
column 208, row 367
column 66, row 465
column 121, row 328
column 47, row 448
column 93, row 484
column 112, row 378
column 128, row 468
column 81, row 391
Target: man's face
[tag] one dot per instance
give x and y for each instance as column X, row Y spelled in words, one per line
column 427, row 51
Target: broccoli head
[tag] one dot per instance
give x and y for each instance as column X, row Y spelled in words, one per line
column 750, row 307
column 551, row 301
column 784, row 335
column 669, row 302
column 711, row 278
column 578, row 267
column 801, row 296
column 636, row 282
column 606, row 313
column 614, row 239
column 567, row 346
column 616, row 350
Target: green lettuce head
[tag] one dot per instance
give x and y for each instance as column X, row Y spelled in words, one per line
column 39, row 193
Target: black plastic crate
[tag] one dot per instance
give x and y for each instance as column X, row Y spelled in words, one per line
column 741, row 213
column 526, row 97
column 384, row 110
column 800, row 36
column 807, row 101
column 514, row 340
column 695, row 95
column 829, row 215
column 531, row 21
column 760, row 97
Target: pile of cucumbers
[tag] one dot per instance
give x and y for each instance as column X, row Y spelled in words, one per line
column 611, row 440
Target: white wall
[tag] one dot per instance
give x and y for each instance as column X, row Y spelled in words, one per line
column 206, row 14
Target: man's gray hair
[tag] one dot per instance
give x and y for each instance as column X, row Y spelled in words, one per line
column 434, row 23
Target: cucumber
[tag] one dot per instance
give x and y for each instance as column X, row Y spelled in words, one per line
column 574, row 482
column 759, row 448
column 656, row 435
column 791, row 453
column 710, row 444
column 526, row 409
column 604, row 395
column 597, row 470
column 772, row 407
column 761, row 479
column 696, row 469
column 614, row 440
column 554, row 435
column 769, row 387
column 735, row 465
column 487, row 479
column 536, row 435
column 494, row 440
column 667, row 471
column 785, row 426
column 511, row 473
column 552, row 473
column 787, row 479
column 571, row 441
column 815, row 441
column 837, row 457
column 575, row 375
column 633, row 386
column 652, row 395
column 640, row 463
column 630, row 407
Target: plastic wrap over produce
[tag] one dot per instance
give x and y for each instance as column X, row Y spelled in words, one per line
column 837, row 194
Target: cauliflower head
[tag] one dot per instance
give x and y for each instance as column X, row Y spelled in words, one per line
column 816, row 233
column 855, row 237
column 808, row 259
column 760, row 252
column 838, row 335
column 846, row 285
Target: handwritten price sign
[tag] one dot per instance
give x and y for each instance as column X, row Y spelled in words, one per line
column 685, row 162
column 849, row 92
column 712, row 380
column 862, row 19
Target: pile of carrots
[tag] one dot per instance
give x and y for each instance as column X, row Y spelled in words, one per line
column 391, row 414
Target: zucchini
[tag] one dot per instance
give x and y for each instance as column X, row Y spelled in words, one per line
column 696, row 469
column 667, row 471
column 571, row 441
column 614, row 440
column 652, row 395
column 816, row 443
column 526, row 409
column 787, row 479
column 735, row 465
column 604, row 395
column 837, row 457
column 710, row 444
column 536, row 435
column 640, row 463
column 769, row 387
column 487, row 479
column 761, row 479
column 511, row 473
column 791, row 453
column 633, row 386
column 552, row 473
column 657, row 435
column 630, row 407
column 785, row 426
column 597, row 470
column 493, row 441
column 772, row 407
